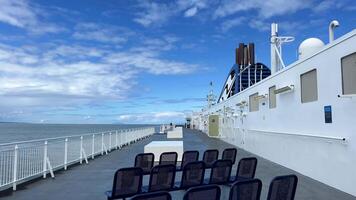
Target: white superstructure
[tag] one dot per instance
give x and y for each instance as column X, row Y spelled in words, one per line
column 303, row 116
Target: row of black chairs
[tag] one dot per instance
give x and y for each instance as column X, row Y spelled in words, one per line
column 128, row 181
column 281, row 188
column 146, row 160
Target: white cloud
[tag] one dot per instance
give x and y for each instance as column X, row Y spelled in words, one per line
column 149, row 62
column 153, row 13
column 228, row 24
column 159, row 13
column 265, row 9
column 21, row 14
column 57, row 74
column 191, row 12
column 100, row 33
column 153, row 117
column 17, row 13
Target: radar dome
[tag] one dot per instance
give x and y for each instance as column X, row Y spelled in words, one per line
column 309, row 46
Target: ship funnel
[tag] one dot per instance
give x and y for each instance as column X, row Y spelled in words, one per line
column 333, row 24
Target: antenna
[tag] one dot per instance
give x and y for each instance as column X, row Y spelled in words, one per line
column 211, row 96
column 276, row 48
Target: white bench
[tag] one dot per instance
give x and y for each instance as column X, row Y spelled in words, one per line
column 158, row 147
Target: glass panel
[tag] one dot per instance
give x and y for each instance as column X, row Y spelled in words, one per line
column 309, row 86
column 272, row 97
column 254, row 102
column 348, row 66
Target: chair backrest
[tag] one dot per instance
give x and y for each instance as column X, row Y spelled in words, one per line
column 246, row 168
column 127, row 182
column 168, row 158
column 162, row 178
column 206, row 192
column 145, row 161
column 189, row 156
column 193, row 174
column 283, row 187
column 246, row 190
column 229, row 154
column 210, row 156
column 220, row 172
column 153, row 196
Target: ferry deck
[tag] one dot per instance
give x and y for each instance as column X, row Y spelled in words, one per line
column 90, row 181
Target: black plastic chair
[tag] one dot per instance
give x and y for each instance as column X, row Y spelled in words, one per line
column 162, row 178
column 209, row 157
column 206, row 192
column 153, row 196
column 220, row 172
column 246, row 190
column 246, row 169
column 145, row 161
column 229, row 154
column 127, row 183
column 168, row 158
column 188, row 156
column 283, row 187
column 193, row 175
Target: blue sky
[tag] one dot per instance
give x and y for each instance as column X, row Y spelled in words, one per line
column 112, row 61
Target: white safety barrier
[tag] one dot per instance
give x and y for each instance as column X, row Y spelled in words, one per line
column 24, row 161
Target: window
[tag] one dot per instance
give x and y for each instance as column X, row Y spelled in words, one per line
column 272, row 97
column 254, row 102
column 348, row 69
column 309, row 86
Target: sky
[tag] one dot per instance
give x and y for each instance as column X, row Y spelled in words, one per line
column 113, row 61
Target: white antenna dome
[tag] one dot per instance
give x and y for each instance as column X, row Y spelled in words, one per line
column 309, row 46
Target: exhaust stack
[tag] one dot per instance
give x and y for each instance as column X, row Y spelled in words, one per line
column 332, row 26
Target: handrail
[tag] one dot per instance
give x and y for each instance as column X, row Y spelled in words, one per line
column 69, row 136
column 302, row 135
column 19, row 165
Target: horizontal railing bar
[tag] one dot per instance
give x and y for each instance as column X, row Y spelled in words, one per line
column 18, row 168
column 301, row 135
column 69, row 136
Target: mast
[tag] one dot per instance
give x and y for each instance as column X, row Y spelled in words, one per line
column 211, row 96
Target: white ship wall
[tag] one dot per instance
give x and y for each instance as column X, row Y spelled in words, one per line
column 295, row 134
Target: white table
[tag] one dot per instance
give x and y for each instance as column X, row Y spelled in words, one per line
column 175, row 133
column 158, row 147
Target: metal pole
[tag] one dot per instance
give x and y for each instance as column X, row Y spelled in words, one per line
column 45, row 159
column 116, row 140
column 15, row 168
column 65, row 153
column 80, row 150
column 110, row 141
column 92, row 147
column 102, row 144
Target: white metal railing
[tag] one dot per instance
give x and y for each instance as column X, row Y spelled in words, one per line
column 26, row 160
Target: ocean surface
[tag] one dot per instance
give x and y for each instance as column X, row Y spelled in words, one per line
column 14, row 132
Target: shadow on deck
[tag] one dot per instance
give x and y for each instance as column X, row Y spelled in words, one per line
column 90, row 181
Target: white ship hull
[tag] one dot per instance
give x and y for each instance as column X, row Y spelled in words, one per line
column 295, row 134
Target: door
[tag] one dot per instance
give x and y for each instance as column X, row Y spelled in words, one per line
column 213, row 125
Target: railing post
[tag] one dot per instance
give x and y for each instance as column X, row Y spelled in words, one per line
column 102, row 144
column 65, row 153
column 80, row 150
column 15, row 168
column 127, row 139
column 93, row 147
column 116, row 144
column 45, row 159
column 110, row 141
